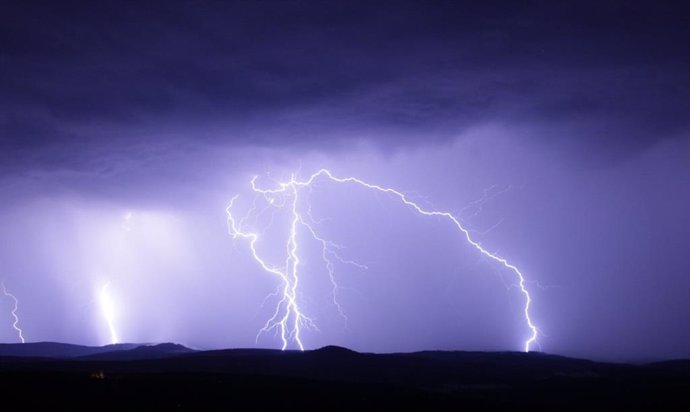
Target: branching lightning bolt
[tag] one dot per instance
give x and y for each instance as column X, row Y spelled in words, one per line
column 15, row 325
column 288, row 318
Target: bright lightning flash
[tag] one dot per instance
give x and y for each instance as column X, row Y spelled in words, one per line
column 288, row 318
column 108, row 310
column 15, row 325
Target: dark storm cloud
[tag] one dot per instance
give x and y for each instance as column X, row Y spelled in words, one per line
column 126, row 128
column 610, row 75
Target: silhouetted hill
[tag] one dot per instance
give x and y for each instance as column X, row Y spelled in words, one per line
column 170, row 376
column 333, row 350
column 158, row 351
column 58, row 350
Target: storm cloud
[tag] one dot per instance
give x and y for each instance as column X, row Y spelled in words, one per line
column 577, row 115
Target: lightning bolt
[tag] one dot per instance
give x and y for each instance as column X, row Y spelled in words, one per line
column 108, row 310
column 15, row 325
column 288, row 318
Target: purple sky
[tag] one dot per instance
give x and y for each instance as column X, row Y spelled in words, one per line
column 126, row 129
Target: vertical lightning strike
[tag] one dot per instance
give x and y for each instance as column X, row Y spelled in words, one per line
column 290, row 276
column 288, row 299
column 15, row 325
column 108, row 310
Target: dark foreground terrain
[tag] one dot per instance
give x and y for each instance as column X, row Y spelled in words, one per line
column 51, row 376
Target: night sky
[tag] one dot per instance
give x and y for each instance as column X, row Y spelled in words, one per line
column 558, row 135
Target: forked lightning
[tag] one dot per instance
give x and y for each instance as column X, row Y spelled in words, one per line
column 288, row 318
